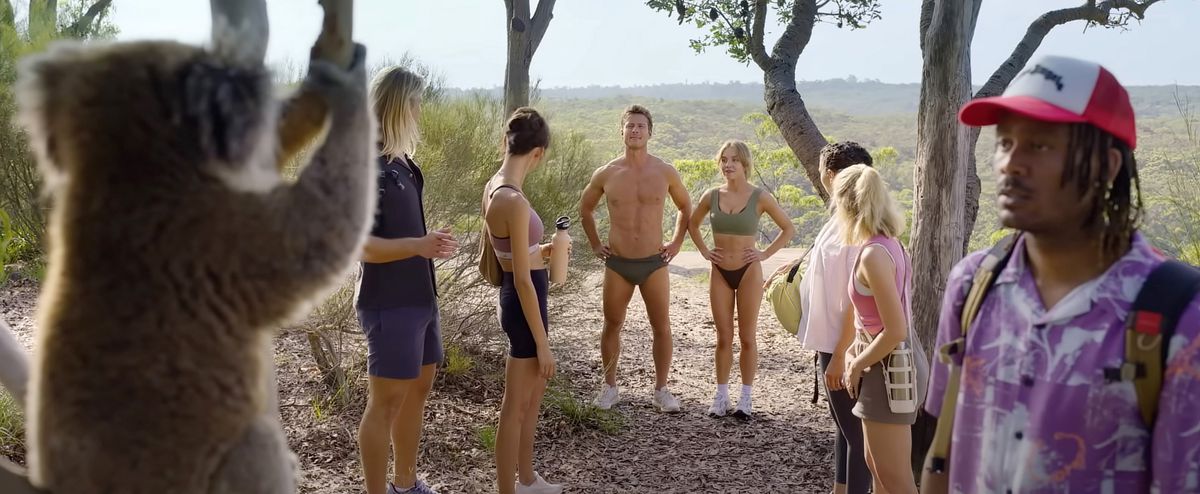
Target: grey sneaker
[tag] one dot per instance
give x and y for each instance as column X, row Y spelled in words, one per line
column 665, row 401
column 417, row 488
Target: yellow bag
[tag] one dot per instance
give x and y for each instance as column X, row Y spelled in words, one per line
column 784, row 295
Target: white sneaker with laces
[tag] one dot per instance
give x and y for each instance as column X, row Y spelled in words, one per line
column 539, row 486
column 720, row 406
column 608, row 397
column 665, row 401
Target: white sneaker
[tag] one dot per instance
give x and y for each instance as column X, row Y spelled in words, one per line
column 720, row 406
column 743, row 408
column 665, row 401
column 608, row 397
column 539, row 486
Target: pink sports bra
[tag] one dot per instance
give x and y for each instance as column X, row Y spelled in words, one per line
column 863, row 299
column 503, row 245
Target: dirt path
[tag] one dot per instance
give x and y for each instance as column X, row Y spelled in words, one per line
column 786, row 448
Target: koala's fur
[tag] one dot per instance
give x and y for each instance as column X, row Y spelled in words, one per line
column 174, row 252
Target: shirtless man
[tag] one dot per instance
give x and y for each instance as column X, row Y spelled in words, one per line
column 636, row 186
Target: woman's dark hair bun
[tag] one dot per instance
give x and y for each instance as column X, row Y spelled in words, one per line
column 525, row 131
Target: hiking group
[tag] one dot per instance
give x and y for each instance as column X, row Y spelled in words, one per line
column 1066, row 360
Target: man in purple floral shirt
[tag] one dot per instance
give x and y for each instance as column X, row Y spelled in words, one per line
column 1035, row 412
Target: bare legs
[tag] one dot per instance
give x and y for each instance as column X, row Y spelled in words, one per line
column 523, row 390
column 656, row 293
column 394, row 417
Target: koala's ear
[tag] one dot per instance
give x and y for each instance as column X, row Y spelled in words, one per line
column 229, row 107
column 38, row 88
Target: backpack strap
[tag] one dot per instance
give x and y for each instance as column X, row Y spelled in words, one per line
column 985, row 277
column 1151, row 322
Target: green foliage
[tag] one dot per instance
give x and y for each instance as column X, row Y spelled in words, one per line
column 486, row 436
column 1173, row 203
column 6, row 241
column 730, row 22
column 12, row 428
column 20, row 184
column 578, row 413
column 458, row 362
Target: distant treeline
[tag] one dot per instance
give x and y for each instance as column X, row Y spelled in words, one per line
column 850, row 96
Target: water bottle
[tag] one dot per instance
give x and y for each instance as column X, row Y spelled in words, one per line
column 559, row 250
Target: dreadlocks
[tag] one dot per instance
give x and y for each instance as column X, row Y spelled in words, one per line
column 1116, row 210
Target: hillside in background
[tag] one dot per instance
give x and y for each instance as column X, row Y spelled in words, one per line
column 851, row 96
column 691, row 121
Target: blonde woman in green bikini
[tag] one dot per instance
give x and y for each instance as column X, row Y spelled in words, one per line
column 733, row 211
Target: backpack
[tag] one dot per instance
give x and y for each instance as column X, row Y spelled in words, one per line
column 489, row 264
column 784, row 296
column 1160, row 302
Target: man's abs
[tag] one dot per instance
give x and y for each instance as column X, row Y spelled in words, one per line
column 635, row 211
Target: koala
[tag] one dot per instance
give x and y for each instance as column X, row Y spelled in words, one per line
column 174, row 251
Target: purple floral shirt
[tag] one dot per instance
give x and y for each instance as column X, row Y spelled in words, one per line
column 1035, row 413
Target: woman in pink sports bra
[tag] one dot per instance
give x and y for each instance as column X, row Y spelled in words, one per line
column 515, row 231
column 885, row 365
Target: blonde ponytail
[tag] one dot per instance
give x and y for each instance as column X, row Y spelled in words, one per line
column 865, row 207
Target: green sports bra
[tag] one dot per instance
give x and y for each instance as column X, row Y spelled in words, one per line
column 744, row 222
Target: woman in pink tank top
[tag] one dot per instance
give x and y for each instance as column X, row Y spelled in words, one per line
column 885, row 365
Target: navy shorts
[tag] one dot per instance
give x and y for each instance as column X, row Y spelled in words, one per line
column 512, row 317
column 402, row 340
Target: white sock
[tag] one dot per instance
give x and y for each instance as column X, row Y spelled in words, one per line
column 745, row 391
column 723, row 390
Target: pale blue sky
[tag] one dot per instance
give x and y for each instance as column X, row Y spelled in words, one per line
column 623, row 42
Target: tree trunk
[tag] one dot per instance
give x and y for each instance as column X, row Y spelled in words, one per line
column 943, row 155
column 974, row 186
column 787, row 109
column 516, row 72
column 525, row 34
column 82, row 27
column 43, row 19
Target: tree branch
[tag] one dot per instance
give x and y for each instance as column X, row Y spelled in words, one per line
column 540, row 21
column 335, row 42
column 520, row 10
column 755, row 47
column 795, row 38
column 926, row 18
column 1136, row 8
column 1040, row 27
column 82, row 26
column 240, row 29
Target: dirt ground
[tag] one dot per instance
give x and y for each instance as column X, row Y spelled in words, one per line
column 785, row 448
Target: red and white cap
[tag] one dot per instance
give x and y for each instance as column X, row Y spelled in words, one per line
column 1061, row 90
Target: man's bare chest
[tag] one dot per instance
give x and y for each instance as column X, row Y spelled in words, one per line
column 633, row 188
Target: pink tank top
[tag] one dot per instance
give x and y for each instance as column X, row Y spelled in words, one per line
column 866, row 312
